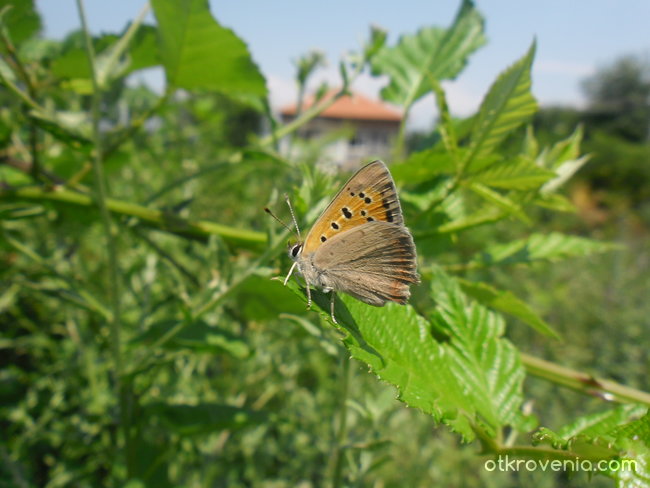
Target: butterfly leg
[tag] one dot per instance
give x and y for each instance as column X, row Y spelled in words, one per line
column 286, row 280
column 332, row 298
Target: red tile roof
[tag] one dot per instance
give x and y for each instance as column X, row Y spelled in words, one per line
column 355, row 107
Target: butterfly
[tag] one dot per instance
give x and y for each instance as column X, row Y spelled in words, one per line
column 359, row 245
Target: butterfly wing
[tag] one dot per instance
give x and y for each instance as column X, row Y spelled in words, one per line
column 368, row 196
column 374, row 262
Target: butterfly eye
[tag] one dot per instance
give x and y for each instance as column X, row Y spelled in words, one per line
column 295, row 249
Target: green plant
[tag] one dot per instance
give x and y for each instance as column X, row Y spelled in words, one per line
column 144, row 342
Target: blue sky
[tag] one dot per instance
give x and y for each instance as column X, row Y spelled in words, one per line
column 574, row 38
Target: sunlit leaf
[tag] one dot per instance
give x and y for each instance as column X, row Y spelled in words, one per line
column 472, row 377
column 198, row 53
column 508, row 104
column 517, row 174
column 507, row 302
column 499, row 200
column 432, row 52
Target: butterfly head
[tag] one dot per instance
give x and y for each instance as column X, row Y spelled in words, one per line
column 294, row 250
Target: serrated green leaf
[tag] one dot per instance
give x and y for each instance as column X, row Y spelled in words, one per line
column 564, row 172
column 481, row 217
column 198, row 53
column 601, row 437
column 432, row 52
column 422, row 166
column 602, row 423
column 486, row 365
column 508, row 104
column 564, row 158
column 203, row 418
column 507, row 302
column 197, row 336
column 501, row 201
column 636, row 429
column 565, row 150
column 471, row 377
column 518, row 174
column 555, row 201
column 540, row 247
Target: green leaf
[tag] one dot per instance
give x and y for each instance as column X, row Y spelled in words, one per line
column 507, row 105
column 487, row 366
column 564, row 158
column 375, row 43
column 73, row 128
column 507, row 302
column 143, row 52
column 204, row 418
column 499, row 200
column 481, row 217
column 432, row 52
column 540, row 247
column 196, row 336
column 115, row 58
column 605, row 422
column 517, row 174
column 423, row 165
column 471, row 377
column 604, row 436
column 73, row 61
column 198, row 53
column 22, row 20
column 555, row 201
column 258, row 298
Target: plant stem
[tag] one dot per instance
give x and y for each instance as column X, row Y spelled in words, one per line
column 339, row 447
column 582, row 382
column 101, row 196
column 199, row 229
column 22, row 71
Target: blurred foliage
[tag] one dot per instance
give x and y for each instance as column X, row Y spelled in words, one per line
column 195, row 368
column 616, row 124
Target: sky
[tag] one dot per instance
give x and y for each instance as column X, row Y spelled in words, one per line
column 574, row 39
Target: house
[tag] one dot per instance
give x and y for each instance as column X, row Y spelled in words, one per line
column 372, row 126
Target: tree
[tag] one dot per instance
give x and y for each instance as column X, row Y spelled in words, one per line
column 619, row 98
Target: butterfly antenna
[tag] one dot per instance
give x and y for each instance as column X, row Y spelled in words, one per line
column 268, row 211
column 293, row 216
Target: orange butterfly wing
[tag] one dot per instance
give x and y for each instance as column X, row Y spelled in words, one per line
column 368, row 196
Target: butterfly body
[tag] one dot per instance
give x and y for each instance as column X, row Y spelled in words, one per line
column 359, row 245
